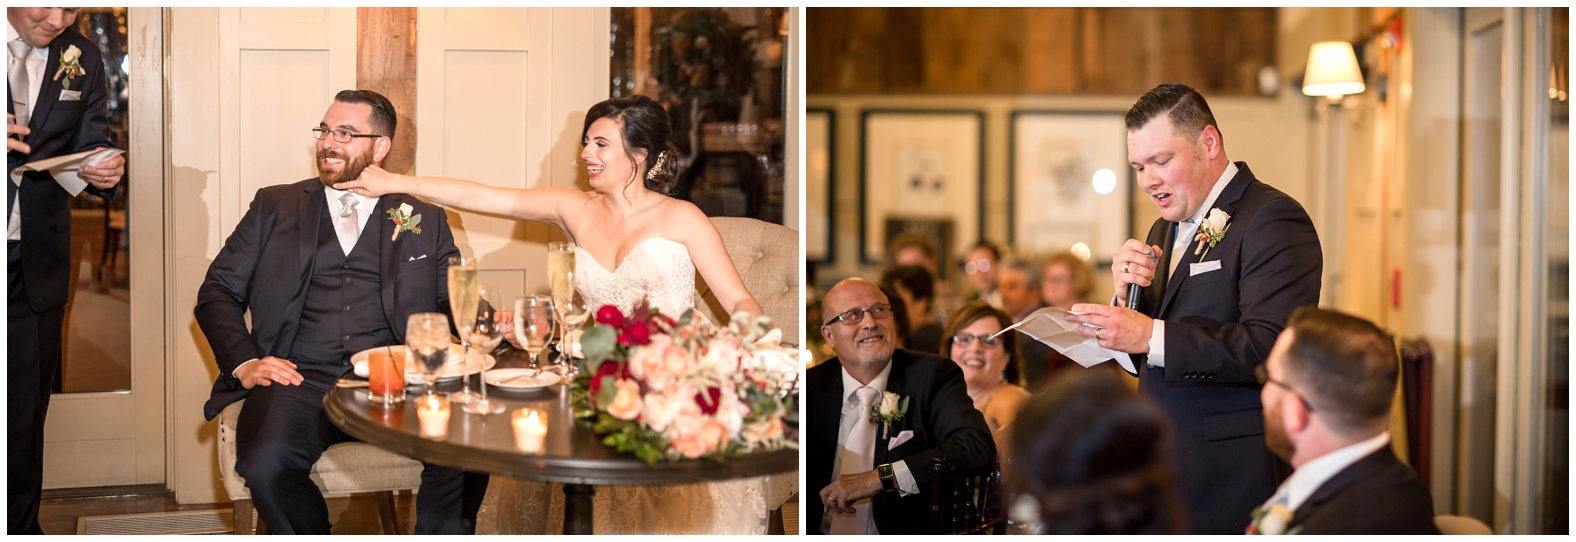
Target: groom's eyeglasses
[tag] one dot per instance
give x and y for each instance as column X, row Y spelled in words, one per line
column 342, row 136
column 855, row 316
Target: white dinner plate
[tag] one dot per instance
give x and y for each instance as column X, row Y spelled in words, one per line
column 452, row 368
column 521, row 379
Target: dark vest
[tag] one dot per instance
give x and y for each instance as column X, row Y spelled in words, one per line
column 343, row 313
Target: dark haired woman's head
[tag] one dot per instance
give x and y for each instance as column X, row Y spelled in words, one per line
column 1089, row 457
column 963, row 342
column 646, row 137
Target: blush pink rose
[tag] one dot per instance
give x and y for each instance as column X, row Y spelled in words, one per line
column 626, row 404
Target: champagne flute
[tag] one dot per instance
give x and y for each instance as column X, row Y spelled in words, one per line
column 463, row 290
column 533, row 324
column 427, row 335
column 486, row 332
column 572, row 313
column 561, row 276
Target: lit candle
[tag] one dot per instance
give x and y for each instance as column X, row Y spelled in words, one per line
column 530, row 430
column 433, row 410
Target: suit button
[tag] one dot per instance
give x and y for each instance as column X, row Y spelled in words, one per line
column 347, row 308
column 347, row 280
column 345, row 338
column 346, row 266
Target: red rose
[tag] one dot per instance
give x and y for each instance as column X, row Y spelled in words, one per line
column 610, row 315
column 709, row 407
column 635, row 333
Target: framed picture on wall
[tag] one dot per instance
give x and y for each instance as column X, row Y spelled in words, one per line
column 921, row 167
column 820, row 209
column 1070, row 184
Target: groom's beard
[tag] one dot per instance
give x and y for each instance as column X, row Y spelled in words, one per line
column 348, row 172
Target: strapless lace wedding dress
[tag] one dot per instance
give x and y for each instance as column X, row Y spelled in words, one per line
column 661, row 271
column 657, row 269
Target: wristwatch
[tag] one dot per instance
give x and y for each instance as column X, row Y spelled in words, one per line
column 888, row 478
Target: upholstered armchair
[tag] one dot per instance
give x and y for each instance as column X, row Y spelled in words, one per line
column 767, row 257
column 345, row 468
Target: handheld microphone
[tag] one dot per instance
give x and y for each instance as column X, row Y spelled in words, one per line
column 1132, row 296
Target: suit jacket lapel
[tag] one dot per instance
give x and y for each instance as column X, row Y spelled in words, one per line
column 388, row 257
column 49, row 91
column 827, row 409
column 897, row 382
column 310, row 207
column 1227, row 204
column 1369, row 466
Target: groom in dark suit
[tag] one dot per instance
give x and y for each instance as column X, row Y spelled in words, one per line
column 1330, row 382
column 60, row 111
column 324, row 274
column 869, row 482
column 1227, row 262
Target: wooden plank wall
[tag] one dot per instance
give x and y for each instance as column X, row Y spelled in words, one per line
column 1123, row 51
column 386, row 63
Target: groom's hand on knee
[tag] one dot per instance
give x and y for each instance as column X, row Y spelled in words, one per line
column 268, row 371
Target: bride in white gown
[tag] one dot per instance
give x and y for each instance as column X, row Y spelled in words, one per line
column 632, row 241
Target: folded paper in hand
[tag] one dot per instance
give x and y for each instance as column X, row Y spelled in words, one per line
column 1050, row 326
column 64, row 168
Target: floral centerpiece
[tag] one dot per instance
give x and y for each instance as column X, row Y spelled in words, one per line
column 668, row 389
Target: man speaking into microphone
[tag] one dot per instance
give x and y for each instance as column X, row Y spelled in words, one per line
column 1218, row 276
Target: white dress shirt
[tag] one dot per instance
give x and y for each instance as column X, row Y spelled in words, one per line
column 35, row 81
column 1185, row 232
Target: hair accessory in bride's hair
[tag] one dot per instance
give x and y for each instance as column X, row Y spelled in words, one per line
column 651, row 174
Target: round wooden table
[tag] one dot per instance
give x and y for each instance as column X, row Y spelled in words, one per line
column 572, row 454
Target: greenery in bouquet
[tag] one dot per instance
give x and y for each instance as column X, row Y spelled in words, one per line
column 668, row 389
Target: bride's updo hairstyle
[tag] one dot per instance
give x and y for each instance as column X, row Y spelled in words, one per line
column 644, row 124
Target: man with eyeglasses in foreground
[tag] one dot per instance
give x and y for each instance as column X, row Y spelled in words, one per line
column 324, row 274
column 878, row 419
column 1328, row 386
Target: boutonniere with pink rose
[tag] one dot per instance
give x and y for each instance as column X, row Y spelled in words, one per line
column 1211, row 231
column 1271, row 520
column 69, row 66
column 889, row 409
column 403, row 221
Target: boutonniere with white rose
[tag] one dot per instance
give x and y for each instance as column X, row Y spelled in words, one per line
column 1211, row 231
column 889, row 409
column 1271, row 520
column 69, row 66
column 403, row 221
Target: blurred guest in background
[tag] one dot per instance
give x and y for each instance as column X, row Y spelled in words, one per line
column 988, row 361
column 1330, row 381
column 916, row 287
column 980, row 268
column 899, row 317
column 1094, row 461
column 1066, row 279
column 1019, row 285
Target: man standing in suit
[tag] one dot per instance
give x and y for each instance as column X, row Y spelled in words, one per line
column 1330, row 382
column 868, row 481
column 57, row 107
column 324, row 274
column 1221, row 270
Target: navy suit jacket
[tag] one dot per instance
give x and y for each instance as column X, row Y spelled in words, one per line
column 1220, row 325
column 1376, row 495
column 940, row 413
column 266, row 265
column 59, row 127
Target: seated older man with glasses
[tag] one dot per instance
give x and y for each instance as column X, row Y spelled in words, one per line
column 878, row 419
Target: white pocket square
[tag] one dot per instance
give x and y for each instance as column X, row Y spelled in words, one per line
column 70, row 95
column 901, row 438
column 414, row 258
column 1196, row 269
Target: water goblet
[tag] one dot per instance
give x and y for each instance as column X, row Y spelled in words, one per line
column 572, row 313
column 533, row 324
column 427, row 335
column 486, row 332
